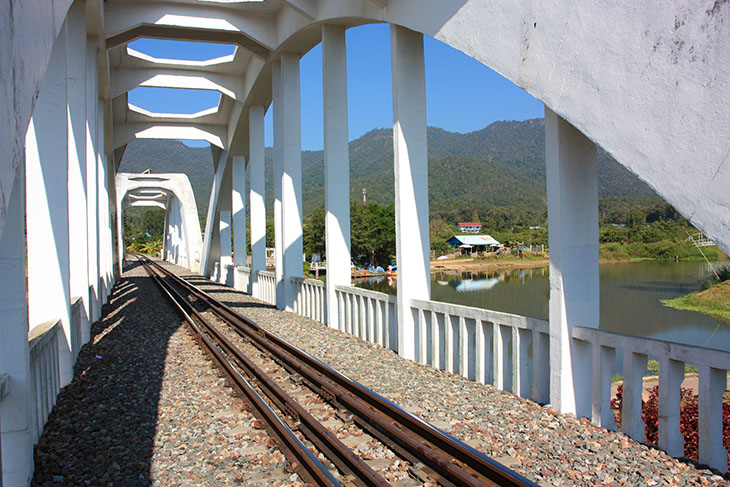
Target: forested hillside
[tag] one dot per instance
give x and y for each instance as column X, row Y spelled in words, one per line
column 496, row 172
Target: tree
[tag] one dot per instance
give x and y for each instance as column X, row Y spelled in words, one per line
column 635, row 218
column 314, row 233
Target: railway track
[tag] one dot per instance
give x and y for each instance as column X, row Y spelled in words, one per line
column 288, row 390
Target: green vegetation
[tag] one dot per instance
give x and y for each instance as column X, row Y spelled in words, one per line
column 497, row 172
column 495, row 175
column 372, row 233
column 143, row 229
column 660, row 239
column 714, row 300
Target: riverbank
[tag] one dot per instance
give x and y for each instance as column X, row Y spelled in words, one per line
column 714, row 301
column 478, row 265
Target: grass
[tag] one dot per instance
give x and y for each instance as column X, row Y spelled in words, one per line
column 714, row 301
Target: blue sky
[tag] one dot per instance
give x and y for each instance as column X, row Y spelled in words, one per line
column 462, row 95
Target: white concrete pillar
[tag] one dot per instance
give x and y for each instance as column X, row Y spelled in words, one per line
column 411, row 180
column 166, row 229
column 291, row 181
column 17, row 447
column 257, row 195
column 77, row 206
column 238, row 210
column 336, row 165
column 572, row 192
column 46, row 156
column 211, row 242
column 92, row 193
column 278, row 174
column 224, row 226
column 103, row 204
column 224, row 223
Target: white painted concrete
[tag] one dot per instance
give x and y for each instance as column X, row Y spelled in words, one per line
column 336, row 166
column 411, row 180
column 224, row 227
column 291, row 181
column 643, row 81
column 572, row 191
column 77, row 204
column 257, row 196
column 278, row 175
column 211, row 240
column 46, row 160
column 17, row 449
column 238, row 210
column 92, row 208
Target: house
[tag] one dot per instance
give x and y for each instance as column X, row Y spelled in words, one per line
column 473, row 243
column 470, row 227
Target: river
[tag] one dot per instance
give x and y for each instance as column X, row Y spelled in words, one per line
column 630, row 294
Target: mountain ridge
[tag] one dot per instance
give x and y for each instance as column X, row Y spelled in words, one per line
column 500, row 167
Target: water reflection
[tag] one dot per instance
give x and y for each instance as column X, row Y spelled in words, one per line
column 630, row 298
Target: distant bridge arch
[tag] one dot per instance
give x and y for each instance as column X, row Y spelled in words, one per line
column 182, row 240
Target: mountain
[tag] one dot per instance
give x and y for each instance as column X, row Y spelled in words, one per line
column 498, row 168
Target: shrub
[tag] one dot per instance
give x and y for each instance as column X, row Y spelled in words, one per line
column 688, row 419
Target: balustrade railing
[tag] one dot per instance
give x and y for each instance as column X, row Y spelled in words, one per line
column 44, row 373
column 369, row 315
column 506, row 350
column 599, row 352
column 242, row 279
column 267, row 286
column 310, row 301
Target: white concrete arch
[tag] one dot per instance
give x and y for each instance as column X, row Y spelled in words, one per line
column 173, row 193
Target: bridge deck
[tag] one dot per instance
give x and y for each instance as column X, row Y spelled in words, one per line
column 146, row 408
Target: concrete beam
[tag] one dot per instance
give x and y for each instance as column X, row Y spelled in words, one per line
column 306, row 8
column 127, row 21
column 127, row 132
column 125, row 80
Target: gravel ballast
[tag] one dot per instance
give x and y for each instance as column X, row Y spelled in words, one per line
column 146, row 408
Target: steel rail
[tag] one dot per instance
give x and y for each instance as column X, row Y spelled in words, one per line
column 343, row 457
column 312, row 470
column 412, row 433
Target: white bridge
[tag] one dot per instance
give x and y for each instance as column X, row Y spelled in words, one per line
column 700, row 240
column 645, row 81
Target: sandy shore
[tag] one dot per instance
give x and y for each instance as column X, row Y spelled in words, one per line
column 468, row 265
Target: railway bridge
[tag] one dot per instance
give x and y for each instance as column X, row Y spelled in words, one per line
column 647, row 83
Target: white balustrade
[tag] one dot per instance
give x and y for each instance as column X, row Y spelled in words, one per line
column 369, row 315
column 506, row 350
column 267, row 287
column 44, row 373
column 242, row 279
column 310, row 298
column 712, row 365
